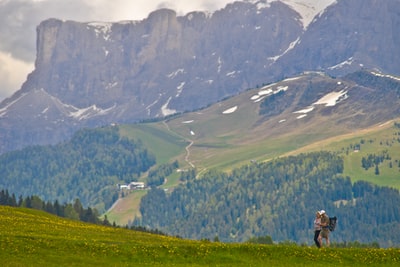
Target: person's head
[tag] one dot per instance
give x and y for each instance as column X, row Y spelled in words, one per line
column 317, row 214
column 322, row 212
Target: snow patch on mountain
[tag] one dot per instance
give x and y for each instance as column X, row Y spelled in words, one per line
column 332, row 98
column 307, row 9
column 66, row 109
column 175, row 73
column 386, row 76
column 3, row 111
column 230, row 110
column 101, row 29
column 89, row 112
column 179, row 89
column 306, row 110
column 165, row 110
column 329, row 100
column 347, row 62
column 291, row 46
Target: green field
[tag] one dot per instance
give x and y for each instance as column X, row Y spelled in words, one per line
column 34, row 238
column 372, row 141
column 155, row 136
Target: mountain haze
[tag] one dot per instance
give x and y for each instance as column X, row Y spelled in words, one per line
column 249, row 135
column 89, row 74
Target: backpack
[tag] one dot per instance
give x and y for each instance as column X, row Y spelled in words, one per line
column 332, row 223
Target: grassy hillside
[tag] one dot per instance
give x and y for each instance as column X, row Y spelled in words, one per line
column 233, row 133
column 268, row 122
column 225, row 155
column 167, row 140
column 376, row 140
column 156, row 137
column 34, row 238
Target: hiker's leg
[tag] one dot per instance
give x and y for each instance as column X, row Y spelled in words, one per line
column 316, row 238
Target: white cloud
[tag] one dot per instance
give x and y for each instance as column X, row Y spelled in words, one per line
column 12, row 73
column 19, row 18
column 139, row 9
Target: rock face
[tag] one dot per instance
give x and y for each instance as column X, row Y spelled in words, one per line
column 165, row 63
column 91, row 74
column 348, row 36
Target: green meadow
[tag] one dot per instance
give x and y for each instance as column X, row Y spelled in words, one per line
column 170, row 141
column 377, row 140
column 34, row 238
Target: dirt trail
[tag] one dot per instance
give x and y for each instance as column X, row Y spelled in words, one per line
column 187, row 148
column 113, row 205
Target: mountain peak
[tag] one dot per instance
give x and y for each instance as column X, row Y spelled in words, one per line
column 307, row 9
column 128, row 72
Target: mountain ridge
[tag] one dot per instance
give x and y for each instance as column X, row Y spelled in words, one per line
column 165, row 64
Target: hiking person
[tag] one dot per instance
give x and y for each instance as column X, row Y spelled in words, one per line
column 317, row 229
column 324, row 234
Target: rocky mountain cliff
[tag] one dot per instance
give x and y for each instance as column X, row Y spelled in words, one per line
column 92, row 74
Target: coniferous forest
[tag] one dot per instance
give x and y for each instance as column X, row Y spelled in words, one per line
column 87, row 167
column 277, row 199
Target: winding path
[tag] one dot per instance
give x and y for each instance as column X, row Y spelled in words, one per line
column 187, row 148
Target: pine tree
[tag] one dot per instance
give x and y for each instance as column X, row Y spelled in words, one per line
column 376, row 169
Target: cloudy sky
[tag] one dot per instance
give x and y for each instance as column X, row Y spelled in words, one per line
column 19, row 18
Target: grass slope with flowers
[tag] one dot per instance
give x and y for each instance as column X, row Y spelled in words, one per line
column 35, row 238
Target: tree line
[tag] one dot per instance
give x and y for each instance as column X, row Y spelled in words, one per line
column 87, row 167
column 366, row 78
column 73, row 211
